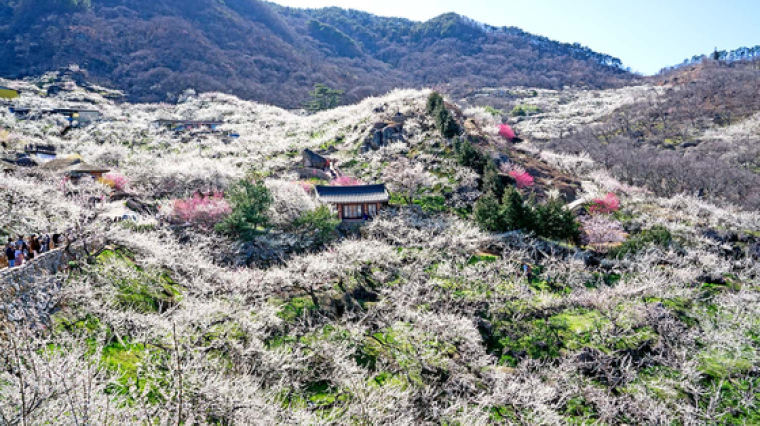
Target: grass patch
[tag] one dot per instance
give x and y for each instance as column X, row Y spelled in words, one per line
column 525, row 110
column 720, row 364
column 482, row 257
column 543, row 338
column 138, row 289
column 296, row 307
column 432, row 203
column 127, row 360
column 319, row 395
column 493, row 111
column 419, row 357
column 679, row 306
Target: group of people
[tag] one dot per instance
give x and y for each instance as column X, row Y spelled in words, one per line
column 23, row 250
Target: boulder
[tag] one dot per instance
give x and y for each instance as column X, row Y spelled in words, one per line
column 141, row 207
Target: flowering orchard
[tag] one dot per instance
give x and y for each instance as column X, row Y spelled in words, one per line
column 416, row 317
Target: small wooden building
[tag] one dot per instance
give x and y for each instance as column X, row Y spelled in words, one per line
column 182, row 125
column 83, row 169
column 355, row 203
column 76, row 117
column 315, row 161
column 60, row 165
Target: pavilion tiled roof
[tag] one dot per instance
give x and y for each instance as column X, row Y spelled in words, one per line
column 352, row 194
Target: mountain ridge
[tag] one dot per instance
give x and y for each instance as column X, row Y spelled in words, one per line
column 153, row 50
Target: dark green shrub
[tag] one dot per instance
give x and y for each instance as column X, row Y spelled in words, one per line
column 318, row 225
column 249, row 202
column 492, row 181
column 658, row 235
column 468, row 156
column 549, row 220
column 434, row 103
column 446, row 123
column 323, row 98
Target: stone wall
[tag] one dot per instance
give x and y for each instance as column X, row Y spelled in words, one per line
column 30, row 292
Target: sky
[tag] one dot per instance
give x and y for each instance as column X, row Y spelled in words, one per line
column 646, row 35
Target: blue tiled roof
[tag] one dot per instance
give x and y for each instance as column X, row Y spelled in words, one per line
column 352, row 194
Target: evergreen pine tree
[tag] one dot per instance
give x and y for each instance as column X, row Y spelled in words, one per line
column 250, row 203
column 516, row 214
column 489, row 214
column 434, row 103
column 554, row 221
column 492, row 181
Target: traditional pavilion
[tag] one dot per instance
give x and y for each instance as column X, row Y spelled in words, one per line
column 355, row 203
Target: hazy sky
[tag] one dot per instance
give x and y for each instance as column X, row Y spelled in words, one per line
column 645, row 34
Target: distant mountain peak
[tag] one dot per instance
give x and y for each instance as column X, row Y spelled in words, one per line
column 155, row 49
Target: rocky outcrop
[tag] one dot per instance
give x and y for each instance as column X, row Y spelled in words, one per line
column 385, row 132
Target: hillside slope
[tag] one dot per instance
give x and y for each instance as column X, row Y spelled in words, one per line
column 693, row 129
column 419, row 317
column 155, row 49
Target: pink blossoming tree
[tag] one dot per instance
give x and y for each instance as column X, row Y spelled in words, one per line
column 345, row 181
column 203, row 210
column 522, row 178
column 505, row 130
column 116, row 181
column 610, row 203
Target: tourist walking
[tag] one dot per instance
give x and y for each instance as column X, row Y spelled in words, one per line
column 21, row 243
column 35, row 246
column 18, row 255
column 46, row 243
column 10, row 253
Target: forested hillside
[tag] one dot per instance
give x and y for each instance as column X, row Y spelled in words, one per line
column 155, row 49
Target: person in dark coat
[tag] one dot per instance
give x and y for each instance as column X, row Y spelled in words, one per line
column 46, row 243
column 10, row 253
